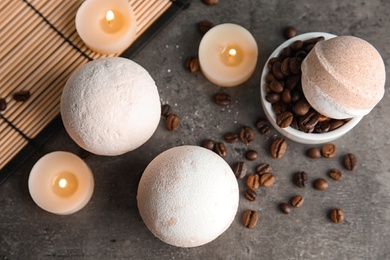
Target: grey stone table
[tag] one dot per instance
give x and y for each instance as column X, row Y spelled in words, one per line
column 110, row 227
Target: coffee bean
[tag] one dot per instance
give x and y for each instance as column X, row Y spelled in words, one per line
column 269, row 77
column 271, row 62
column 192, row 64
column 165, row 110
column 263, row 168
column 267, row 179
column 205, row 26
column 302, row 107
column 231, row 137
column 292, row 81
column 285, row 67
column 272, row 98
column 308, row 122
column 22, row 96
column 322, row 127
column 285, row 208
column 251, row 155
column 301, row 179
column 309, row 47
column 263, row 127
column 222, row 99
column 337, row 215
column 314, row 152
column 286, row 96
column 250, row 194
column 296, row 95
column 301, row 54
column 297, row 201
column 278, row 148
column 253, row 181
column 220, row 149
column 210, row 2
column 329, row 150
column 276, row 86
column 279, row 107
column 313, row 40
column 321, row 184
column 350, row 162
column 209, row 144
column 284, row 119
column 3, row 104
column 285, row 52
column 334, row 124
column 295, row 65
column 172, row 122
column 84, row 154
column 335, row 174
column 289, row 32
column 276, row 70
column 249, row 219
column 297, row 45
column 240, row 170
column 247, row 135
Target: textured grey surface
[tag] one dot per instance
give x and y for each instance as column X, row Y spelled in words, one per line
column 109, row 227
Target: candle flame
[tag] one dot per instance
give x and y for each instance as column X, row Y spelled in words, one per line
column 62, row 183
column 232, row 52
column 110, row 16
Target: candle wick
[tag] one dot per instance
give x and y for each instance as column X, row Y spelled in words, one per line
column 110, row 16
column 232, row 52
column 62, row 183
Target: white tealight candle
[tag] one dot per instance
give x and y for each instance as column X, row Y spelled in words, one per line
column 106, row 26
column 61, row 183
column 228, row 55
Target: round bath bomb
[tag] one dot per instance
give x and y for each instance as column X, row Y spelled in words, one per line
column 188, row 196
column 110, row 106
column 343, row 77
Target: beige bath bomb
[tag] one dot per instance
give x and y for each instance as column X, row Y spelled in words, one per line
column 110, row 106
column 343, row 77
column 188, row 196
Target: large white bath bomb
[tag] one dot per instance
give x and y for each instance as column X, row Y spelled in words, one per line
column 188, row 196
column 110, row 106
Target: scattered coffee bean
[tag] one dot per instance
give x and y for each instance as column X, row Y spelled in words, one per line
column 314, row 152
column 192, row 64
column 209, row 144
column 220, row 149
column 263, row 127
column 165, row 110
column 22, row 96
column 289, row 32
column 321, row 184
column 337, row 215
column 172, row 122
column 297, row 201
column 240, row 170
column 278, row 148
column 251, row 155
column 249, row 219
column 350, row 162
column 205, row 26
column 329, row 150
column 263, row 168
column 253, row 181
column 222, row 98
column 247, row 135
column 284, row 119
column 3, row 104
column 285, row 208
column 231, row 137
column 301, row 179
column 335, row 174
column 267, row 179
column 250, row 194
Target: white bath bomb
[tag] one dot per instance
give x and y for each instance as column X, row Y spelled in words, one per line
column 110, row 106
column 188, row 196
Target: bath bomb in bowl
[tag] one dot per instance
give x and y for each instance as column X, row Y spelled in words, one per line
column 188, row 196
column 110, row 106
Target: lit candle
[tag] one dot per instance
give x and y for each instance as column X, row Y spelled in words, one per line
column 106, row 26
column 61, row 183
column 228, row 55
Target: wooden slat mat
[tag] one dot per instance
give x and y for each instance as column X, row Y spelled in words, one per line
column 39, row 50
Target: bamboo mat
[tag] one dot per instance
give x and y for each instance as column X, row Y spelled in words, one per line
column 39, row 50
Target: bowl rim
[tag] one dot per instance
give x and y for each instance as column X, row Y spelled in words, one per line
column 289, row 132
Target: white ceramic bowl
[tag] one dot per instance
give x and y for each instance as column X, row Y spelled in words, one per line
column 289, row 132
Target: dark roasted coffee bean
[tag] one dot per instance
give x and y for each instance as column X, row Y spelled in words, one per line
column 231, row 137
column 249, row 219
column 267, row 179
column 297, row 201
column 329, row 150
column 263, row 127
column 263, row 168
column 240, row 170
column 286, row 96
column 301, row 54
column 84, row 154
column 205, row 26
column 297, row 45
column 335, row 123
column 279, row 107
column 294, row 124
column 3, row 104
column 296, row 96
column 209, row 144
column 350, row 162
column 271, row 62
column 253, row 181
column 301, row 179
column 335, row 174
column 314, row 152
column 269, row 78
column 210, row 2
column 192, row 64
column 292, row 81
column 323, row 118
column 285, row 208
column 272, row 97
column 22, row 96
column 285, row 67
column 322, row 127
column 165, row 110
column 285, row 52
column 261, row 123
column 295, row 65
column 289, row 32
column 308, row 122
column 251, row 155
column 278, row 147
column 276, row 70
column 220, row 149
column 222, row 99
column 321, row 184
column 302, row 107
column 247, row 135
column 337, row 216
column 172, row 122
column 284, row 119
column 309, row 47
column 250, row 194
column 276, row 86
column 313, row 40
